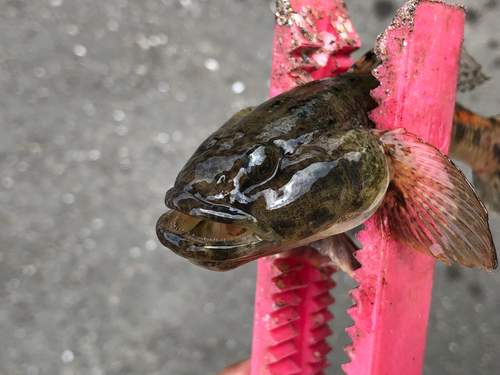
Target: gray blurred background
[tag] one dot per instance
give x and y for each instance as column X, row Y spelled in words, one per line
column 101, row 103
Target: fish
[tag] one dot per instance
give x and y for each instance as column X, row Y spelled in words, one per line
column 307, row 166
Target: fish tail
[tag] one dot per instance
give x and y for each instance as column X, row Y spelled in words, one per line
column 475, row 140
column 488, row 188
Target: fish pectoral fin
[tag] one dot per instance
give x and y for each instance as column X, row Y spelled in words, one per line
column 340, row 249
column 430, row 206
column 488, row 189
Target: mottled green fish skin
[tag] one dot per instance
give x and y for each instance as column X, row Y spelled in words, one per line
column 324, row 168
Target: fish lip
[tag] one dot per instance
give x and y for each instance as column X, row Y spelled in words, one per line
column 222, row 255
column 198, row 207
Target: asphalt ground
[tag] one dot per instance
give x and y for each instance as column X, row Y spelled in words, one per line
column 101, row 104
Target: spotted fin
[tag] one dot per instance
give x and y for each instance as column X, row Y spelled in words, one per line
column 430, row 206
column 470, row 74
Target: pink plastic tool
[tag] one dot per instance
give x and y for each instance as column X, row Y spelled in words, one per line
column 421, row 52
column 312, row 39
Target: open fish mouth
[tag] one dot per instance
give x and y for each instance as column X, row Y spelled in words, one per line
column 202, row 231
column 212, row 236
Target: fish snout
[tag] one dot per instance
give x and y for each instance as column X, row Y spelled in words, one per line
column 211, row 235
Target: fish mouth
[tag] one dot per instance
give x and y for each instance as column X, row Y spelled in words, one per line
column 213, row 236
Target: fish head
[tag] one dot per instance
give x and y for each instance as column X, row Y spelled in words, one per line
column 275, row 177
column 212, row 221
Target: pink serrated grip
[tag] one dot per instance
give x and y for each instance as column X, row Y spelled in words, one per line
column 291, row 316
column 292, row 297
column 306, row 36
column 421, row 54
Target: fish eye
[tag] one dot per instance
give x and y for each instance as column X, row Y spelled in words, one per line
column 260, row 163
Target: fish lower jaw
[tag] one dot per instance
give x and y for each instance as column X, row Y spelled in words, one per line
column 211, row 245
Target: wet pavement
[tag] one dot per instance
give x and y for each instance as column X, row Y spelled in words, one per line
column 101, row 103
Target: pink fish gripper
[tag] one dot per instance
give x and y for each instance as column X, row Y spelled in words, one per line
column 420, row 51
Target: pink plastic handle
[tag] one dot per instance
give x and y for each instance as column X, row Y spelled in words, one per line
column 292, row 298
column 421, row 56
